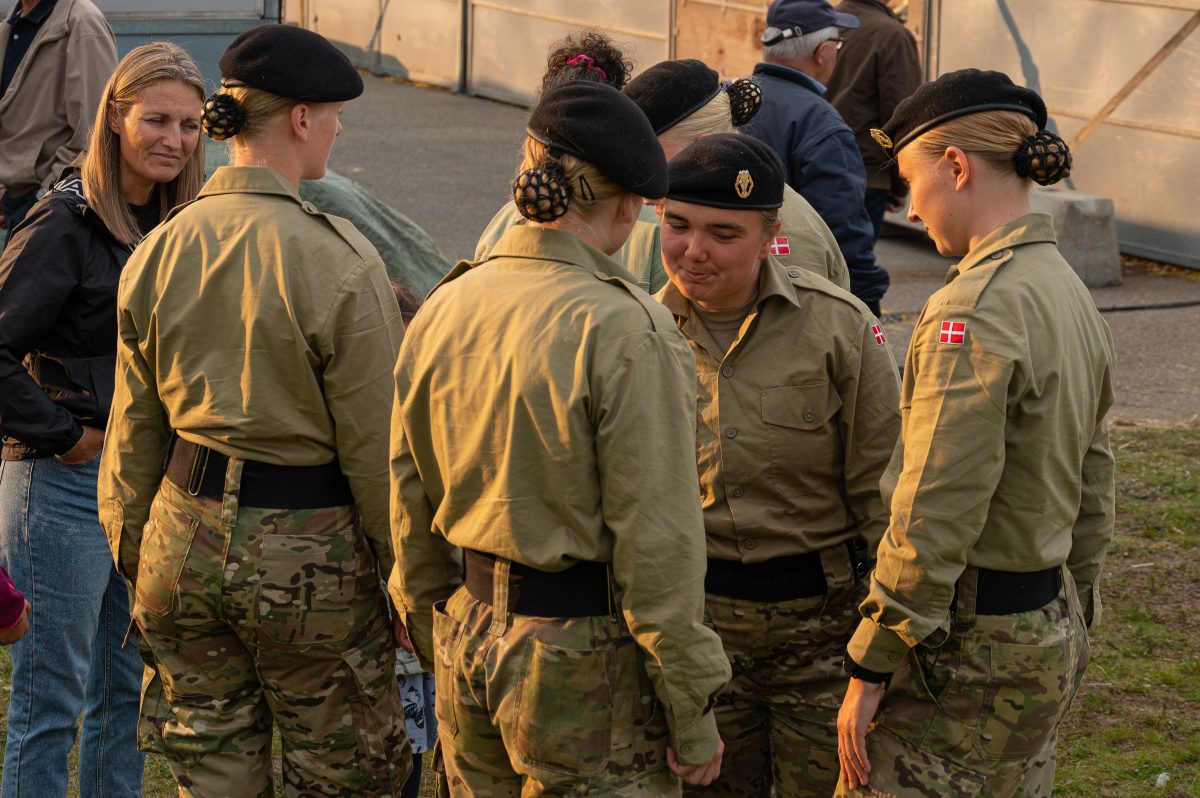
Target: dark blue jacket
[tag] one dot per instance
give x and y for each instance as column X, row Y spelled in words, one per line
column 823, row 166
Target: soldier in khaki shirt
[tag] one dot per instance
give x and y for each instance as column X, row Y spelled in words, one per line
column 256, row 340
column 544, row 424
column 1002, row 488
column 797, row 419
column 684, row 101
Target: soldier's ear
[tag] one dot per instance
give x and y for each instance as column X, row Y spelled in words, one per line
column 960, row 167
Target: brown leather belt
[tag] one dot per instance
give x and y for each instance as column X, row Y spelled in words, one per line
column 581, row 591
column 200, row 471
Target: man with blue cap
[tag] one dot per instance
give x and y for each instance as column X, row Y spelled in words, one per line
column 800, row 47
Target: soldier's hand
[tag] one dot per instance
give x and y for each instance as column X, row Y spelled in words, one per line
column 854, row 718
column 15, row 632
column 697, row 775
column 400, row 635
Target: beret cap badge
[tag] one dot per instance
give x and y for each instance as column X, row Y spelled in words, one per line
column 881, row 138
column 743, row 184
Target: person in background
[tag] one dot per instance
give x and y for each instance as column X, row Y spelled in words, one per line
column 55, row 57
column 800, row 48
column 876, row 69
column 244, row 485
column 550, row 442
column 798, row 416
column 58, row 343
column 1002, row 488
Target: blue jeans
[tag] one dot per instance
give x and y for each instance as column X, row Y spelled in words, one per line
column 876, row 202
column 71, row 662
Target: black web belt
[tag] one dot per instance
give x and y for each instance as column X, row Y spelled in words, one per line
column 581, row 591
column 200, row 471
column 1006, row 592
column 795, row 576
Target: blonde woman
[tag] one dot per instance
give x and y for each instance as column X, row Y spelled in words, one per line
column 58, row 340
column 257, row 339
column 1001, row 489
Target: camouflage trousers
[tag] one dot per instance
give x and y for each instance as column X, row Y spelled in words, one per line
column 251, row 617
column 540, row 706
column 978, row 714
column 778, row 716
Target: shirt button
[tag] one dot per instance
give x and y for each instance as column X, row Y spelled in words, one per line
column 731, row 432
column 308, row 206
column 809, row 415
column 750, row 543
column 997, row 255
column 737, row 491
column 727, row 371
column 793, row 273
column 686, row 749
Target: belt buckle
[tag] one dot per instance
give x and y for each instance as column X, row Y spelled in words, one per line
column 196, row 480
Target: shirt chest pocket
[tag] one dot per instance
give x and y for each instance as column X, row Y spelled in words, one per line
column 804, row 438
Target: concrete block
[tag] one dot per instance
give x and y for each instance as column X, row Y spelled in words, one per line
column 1086, row 230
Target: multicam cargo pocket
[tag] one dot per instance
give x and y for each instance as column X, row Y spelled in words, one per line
column 307, row 586
column 445, row 635
column 565, row 710
column 165, row 545
column 1029, row 690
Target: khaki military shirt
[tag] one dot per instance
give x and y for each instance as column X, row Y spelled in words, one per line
column 250, row 323
column 804, row 242
column 1004, row 460
column 795, row 423
column 545, row 413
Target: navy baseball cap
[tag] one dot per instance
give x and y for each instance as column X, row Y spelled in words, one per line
column 788, row 18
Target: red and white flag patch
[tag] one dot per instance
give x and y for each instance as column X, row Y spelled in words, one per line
column 780, row 246
column 953, row 332
column 880, row 338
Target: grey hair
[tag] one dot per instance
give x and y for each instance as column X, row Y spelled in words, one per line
column 797, row 48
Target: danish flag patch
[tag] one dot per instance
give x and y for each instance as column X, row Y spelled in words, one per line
column 780, row 246
column 953, row 332
column 880, row 338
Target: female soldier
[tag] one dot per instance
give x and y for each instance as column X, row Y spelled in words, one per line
column 684, row 101
column 797, row 419
column 1002, row 487
column 256, row 341
column 527, row 436
column 587, row 55
column 58, row 287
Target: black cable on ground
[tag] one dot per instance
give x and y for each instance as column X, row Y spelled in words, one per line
column 1155, row 306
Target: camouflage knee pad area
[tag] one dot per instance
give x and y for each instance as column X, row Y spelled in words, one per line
column 275, row 619
column 978, row 715
column 536, row 706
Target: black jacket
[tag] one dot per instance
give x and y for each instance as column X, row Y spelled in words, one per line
column 58, row 323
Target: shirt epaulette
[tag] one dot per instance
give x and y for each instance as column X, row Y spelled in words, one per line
column 346, row 231
column 967, row 288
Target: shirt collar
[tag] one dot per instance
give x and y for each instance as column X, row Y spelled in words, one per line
column 793, row 75
column 546, row 244
column 248, row 180
column 1034, row 228
column 37, row 16
column 772, row 282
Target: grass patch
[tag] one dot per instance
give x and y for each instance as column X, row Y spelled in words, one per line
column 1137, row 716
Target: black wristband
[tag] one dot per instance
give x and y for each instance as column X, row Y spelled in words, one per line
column 857, row 671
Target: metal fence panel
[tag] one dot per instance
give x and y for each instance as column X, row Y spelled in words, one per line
column 417, row 40
column 508, row 39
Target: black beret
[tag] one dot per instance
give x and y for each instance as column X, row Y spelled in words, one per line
column 291, row 62
column 602, row 126
column 955, row 94
column 727, row 170
column 671, row 91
